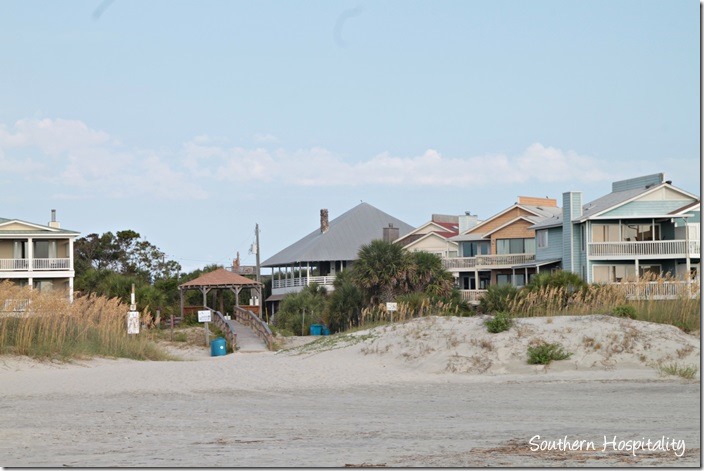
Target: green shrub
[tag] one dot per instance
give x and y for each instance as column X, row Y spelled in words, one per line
column 497, row 298
column 571, row 282
column 625, row 310
column 674, row 369
column 544, row 353
column 500, row 322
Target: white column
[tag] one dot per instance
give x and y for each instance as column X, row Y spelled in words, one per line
column 30, row 254
column 70, row 288
column 70, row 254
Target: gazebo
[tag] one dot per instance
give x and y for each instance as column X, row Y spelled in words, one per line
column 222, row 279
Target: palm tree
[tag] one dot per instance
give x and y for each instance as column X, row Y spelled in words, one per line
column 429, row 276
column 383, row 269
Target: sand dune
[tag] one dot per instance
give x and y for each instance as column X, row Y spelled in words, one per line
column 431, row 392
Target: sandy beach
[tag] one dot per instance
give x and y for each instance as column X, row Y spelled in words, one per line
column 428, row 392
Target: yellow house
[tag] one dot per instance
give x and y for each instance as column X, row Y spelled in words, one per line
column 36, row 255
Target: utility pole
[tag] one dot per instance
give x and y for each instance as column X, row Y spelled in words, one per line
column 256, row 232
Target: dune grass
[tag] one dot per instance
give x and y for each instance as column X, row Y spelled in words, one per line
column 682, row 312
column 47, row 326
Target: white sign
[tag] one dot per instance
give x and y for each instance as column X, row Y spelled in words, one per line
column 247, row 269
column 133, row 322
column 203, row 316
column 391, row 306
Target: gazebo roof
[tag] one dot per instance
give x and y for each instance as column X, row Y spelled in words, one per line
column 220, row 278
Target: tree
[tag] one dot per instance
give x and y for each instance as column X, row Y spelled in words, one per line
column 299, row 310
column 344, row 303
column 383, row 270
column 429, row 276
column 125, row 253
column 109, row 264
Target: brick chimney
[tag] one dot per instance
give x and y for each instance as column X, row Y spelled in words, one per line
column 324, row 223
column 390, row 233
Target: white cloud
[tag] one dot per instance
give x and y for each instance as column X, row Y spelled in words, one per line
column 92, row 162
column 321, row 167
column 52, row 136
column 264, row 138
column 72, row 156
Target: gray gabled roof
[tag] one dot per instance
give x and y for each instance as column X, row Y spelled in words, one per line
column 609, row 201
column 345, row 236
column 618, row 196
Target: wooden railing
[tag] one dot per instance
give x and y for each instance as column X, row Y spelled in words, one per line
column 460, row 263
column 657, row 248
column 661, row 290
column 472, row 296
column 226, row 326
column 259, row 327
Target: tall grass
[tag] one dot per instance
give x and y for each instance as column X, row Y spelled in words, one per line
column 682, row 311
column 411, row 307
column 46, row 325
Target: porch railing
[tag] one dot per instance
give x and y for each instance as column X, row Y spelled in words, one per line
column 303, row 281
column 22, row 264
column 472, row 296
column 460, row 263
column 661, row 290
column 644, row 248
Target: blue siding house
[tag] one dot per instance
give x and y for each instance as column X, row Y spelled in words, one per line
column 644, row 228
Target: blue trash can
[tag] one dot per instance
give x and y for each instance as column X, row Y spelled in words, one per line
column 326, row 331
column 316, row 329
column 218, row 347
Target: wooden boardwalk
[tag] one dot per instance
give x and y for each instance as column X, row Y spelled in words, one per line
column 247, row 340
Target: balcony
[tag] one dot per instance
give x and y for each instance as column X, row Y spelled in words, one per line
column 644, row 249
column 39, row 264
column 294, row 285
column 486, row 261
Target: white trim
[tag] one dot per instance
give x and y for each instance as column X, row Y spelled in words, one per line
column 514, row 206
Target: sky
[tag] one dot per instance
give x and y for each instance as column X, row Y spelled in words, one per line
column 192, row 121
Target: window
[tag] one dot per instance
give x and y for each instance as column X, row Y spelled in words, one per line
column 649, row 272
column 614, row 273
column 605, row 233
column 472, row 249
column 45, row 249
column 640, row 232
column 515, row 246
column 542, row 236
column 503, row 279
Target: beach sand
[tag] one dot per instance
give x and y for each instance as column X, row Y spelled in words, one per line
column 428, row 392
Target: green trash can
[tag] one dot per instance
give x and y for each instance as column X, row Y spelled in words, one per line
column 316, row 329
column 218, row 347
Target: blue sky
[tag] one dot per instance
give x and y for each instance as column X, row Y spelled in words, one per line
column 190, row 122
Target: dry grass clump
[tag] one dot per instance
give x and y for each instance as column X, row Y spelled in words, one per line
column 645, row 298
column 421, row 307
column 47, row 325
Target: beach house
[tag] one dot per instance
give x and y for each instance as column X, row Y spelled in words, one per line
column 35, row 255
column 329, row 249
column 645, row 227
column 500, row 249
column 435, row 235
